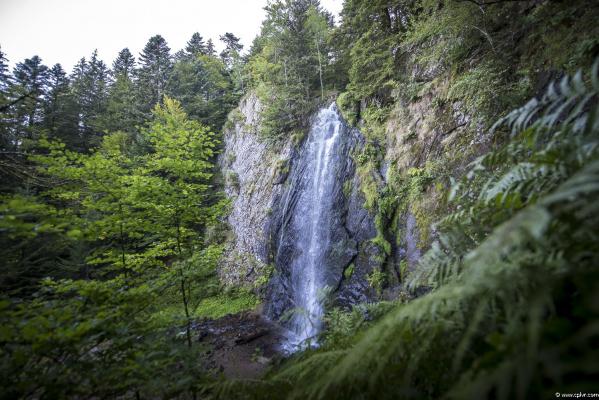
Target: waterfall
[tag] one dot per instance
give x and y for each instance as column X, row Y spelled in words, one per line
column 307, row 231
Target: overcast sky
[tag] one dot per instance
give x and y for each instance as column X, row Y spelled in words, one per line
column 65, row 30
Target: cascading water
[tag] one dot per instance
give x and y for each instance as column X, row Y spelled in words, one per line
column 307, row 231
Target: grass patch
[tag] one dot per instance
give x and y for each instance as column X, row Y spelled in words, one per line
column 211, row 307
column 221, row 305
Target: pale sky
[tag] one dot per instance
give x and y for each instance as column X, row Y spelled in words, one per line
column 63, row 31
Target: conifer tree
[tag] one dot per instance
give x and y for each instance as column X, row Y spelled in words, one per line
column 195, row 46
column 231, row 56
column 124, row 64
column 121, row 110
column 232, row 49
column 30, row 85
column 60, row 110
column 154, row 69
column 90, row 88
column 5, row 81
column 210, row 49
column 203, row 87
column 4, row 75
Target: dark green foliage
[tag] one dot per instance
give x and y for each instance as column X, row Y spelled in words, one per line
column 122, row 111
column 289, row 62
column 204, row 87
column 89, row 83
column 80, row 338
column 494, row 55
column 5, row 125
column 155, row 65
column 210, row 50
column 232, row 48
column 195, row 46
column 33, row 241
column 124, row 64
column 4, row 74
column 60, row 109
column 30, row 84
column 231, row 56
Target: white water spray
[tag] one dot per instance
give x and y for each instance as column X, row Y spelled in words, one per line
column 311, row 222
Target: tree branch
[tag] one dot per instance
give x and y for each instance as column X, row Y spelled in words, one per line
column 15, row 101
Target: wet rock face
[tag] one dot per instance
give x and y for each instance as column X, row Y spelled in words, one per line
column 253, row 182
column 259, row 180
column 349, row 228
column 354, row 287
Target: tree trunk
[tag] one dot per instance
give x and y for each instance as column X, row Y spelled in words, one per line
column 186, row 307
column 122, row 238
column 183, row 293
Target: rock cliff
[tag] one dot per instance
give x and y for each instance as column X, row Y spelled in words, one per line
column 258, row 176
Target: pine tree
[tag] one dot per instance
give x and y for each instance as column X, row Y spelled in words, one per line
column 90, row 88
column 121, row 110
column 124, row 64
column 31, row 78
column 195, row 46
column 210, row 49
column 4, row 76
column 154, row 69
column 5, row 82
column 231, row 56
column 203, row 87
column 30, row 85
column 60, row 110
column 232, row 48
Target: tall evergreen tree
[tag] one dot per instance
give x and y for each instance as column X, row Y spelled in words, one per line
column 204, row 88
column 288, row 62
column 195, row 46
column 232, row 48
column 124, row 63
column 155, row 67
column 231, row 56
column 5, row 80
column 121, row 109
column 90, row 88
column 60, row 110
column 210, row 49
column 4, row 74
column 30, row 85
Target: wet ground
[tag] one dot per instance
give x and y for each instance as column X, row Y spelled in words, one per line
column 242, row 346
